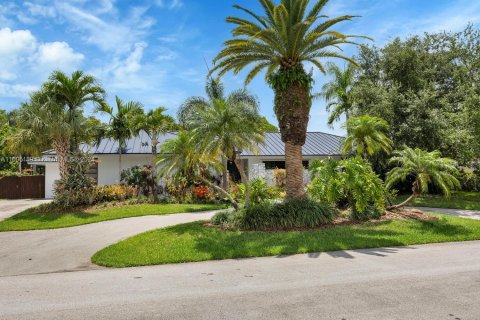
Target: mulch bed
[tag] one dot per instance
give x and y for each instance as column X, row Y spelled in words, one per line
column 341, row 220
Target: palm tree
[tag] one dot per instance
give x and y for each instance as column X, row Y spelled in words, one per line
column 225, row 125
column 74, row 91
column 155, row 123
column 338, row 92
column 426, row 168
column 41, row 122
column 280, row 42
column 365, row 136
column 182, row 157
column 121, row 126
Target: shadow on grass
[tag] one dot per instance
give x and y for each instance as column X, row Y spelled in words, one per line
column 376, row 239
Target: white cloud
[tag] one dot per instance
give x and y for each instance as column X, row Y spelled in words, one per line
column 175, row 4
column 58, row 55
column 13, row 42
column 16, row 90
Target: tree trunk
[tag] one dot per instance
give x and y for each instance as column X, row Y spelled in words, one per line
column 223, row 192
column 154, row 168
column 119, row 164
column 294, row 169
column 62, row 148
column 415, row 193
column 292, row 107
column 225, row 174
column 241, row 170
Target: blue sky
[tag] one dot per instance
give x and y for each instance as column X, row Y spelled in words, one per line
column 155, row 51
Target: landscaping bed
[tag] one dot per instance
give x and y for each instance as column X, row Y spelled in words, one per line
column 200, row 242
column 34, row 219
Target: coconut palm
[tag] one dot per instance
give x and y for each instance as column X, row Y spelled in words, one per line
column 279, row 42
column 425, row 168
column 74, row 91
column 337, row 92
column 182, row 157
column 121, row 126
column 366, row 136
column 225, row 125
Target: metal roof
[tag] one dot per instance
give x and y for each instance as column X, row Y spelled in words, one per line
column 317, row 144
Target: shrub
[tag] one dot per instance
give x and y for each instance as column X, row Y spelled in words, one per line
column 117, row 192
column 141, row 177
column 299, row 213
column 469, row 180
column 226, row 217
column 178, row 188
column 280, row 178
column 261, row 192
column 350, row 181
column 76, row 188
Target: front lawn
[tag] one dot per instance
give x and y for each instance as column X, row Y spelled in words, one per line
column 196, row 242
column 31, row 220
column 458, row 200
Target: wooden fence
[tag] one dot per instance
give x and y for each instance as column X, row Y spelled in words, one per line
column 26, row 187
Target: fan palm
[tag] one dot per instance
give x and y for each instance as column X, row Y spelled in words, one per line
column 74, row 91
column 280, row 42
column 182, row 157
column 225, row 125
column 44, row 121
column 338, row 93
column 121, row 126
column 366, row 136
column 426, row 168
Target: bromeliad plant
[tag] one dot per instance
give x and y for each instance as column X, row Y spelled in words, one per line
column 280, row 41
column 350, row 181
column 426, row 168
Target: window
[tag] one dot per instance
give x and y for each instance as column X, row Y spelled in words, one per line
column 271, row 165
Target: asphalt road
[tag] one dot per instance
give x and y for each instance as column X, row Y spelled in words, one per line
column 440, row 281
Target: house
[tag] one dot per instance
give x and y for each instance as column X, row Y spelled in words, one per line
column 138, row 150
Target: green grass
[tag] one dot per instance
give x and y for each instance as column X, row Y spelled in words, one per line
column 30, row 220
column 194, row 242
column 458, row 200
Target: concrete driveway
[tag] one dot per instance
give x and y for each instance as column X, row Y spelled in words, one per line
column 462, row 213
column 10, row 208
column 70, row 249
column 431, row 282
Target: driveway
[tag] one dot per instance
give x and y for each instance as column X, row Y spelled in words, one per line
column 10, row 208
column 431, row 282
column 469, row 214
column 70, row 249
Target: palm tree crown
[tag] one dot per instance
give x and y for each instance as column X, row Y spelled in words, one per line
column 154, row 123
column 366, row 136
column 74, row 91
column 338, row 93
column 284, row 37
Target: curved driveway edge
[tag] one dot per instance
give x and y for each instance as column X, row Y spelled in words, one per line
column 10, row 208
column 70, row 249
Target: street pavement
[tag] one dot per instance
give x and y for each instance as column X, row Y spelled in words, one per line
column 434, row 282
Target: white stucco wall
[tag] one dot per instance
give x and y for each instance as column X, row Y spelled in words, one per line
column 108, row 165
column 52, row 173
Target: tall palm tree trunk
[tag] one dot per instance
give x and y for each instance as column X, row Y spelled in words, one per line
column 62, row 148
column 119, row 164
column 243, row 176
column 154, row 168
column 292, row 107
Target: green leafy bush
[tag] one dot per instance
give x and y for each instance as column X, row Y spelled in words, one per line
column 351, row 181
column 469, row 180
column 299, row 213
column 260, row 191
column 226, row 217
column 117, row 192
column 141, row 177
